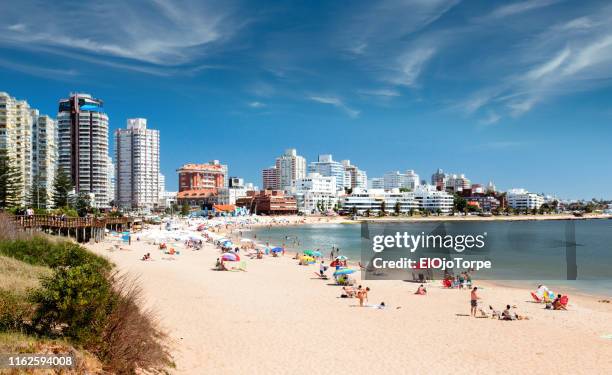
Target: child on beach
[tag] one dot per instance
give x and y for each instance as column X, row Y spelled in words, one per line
column 421, row 290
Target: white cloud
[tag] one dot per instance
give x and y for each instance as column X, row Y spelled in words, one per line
column 492, row 118
column 159, row 33
column 519, row 7
column 256, row 105
column 388, row 93
column 336, row 102
column 410, row 65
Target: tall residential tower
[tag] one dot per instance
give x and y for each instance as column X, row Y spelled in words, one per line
column 83, row 145
column 137, row 165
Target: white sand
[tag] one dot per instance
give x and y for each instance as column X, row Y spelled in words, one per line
column 278, row 318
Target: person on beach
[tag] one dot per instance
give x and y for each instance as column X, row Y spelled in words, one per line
column 362, row 294
column 322, row 268
column 474, row 301
column 421, row 290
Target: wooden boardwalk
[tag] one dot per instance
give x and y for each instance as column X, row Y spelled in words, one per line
column 83, row 228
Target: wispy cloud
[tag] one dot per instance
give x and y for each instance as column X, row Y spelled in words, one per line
column 256, row 105
column 44, row 72
column 336, row 102
column 491, row 118
column 159, row 32
column 410, row 65
column 518, row 8
column 385, row 93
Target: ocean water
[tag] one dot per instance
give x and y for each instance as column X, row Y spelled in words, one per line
column 529, row 252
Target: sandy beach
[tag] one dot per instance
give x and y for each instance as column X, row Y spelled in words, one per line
column 279, row 317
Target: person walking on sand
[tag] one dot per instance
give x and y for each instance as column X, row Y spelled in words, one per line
column 474, row 301
column 362, row 294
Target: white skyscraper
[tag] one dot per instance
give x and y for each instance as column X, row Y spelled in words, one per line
column 111, row 181
column 83, row 146
column 291, row 166
column 137, row 165
column 355, row 177
column 327, row 167
column 44, row 153
column 16, row 137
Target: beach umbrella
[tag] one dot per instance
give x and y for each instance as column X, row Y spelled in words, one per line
column 308, row 252
column 231, row 257
column 316, row 253
column 344, row 271
column 341, row 257
column 277, row 250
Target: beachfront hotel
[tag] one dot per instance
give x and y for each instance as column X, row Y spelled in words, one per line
column 521, row 199
column 315, row 193
column 137, row 166
column 268, row 202
column 424, row 198
column 82, row 129
column 361, row 201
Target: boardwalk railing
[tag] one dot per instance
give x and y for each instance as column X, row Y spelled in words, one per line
column 52, row 221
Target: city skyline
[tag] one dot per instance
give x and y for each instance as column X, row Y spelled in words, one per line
column 410, row 95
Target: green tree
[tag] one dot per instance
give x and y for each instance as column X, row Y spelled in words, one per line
column 37, row 196
column 62, row 186
column 397, row 208
column 383, row 208
column 10, row 183
column 354, row 211
column 459, row 203
column 405, row 190
column 83, row 204
column 185, row 209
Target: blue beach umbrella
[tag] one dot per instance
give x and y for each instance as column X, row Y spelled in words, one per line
column 316, row 253
column 277, row 250
column 344, row 271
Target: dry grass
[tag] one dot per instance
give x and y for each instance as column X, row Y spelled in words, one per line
column 133, row 339
column 17, row 277
column 9, row 230
column 14, row 342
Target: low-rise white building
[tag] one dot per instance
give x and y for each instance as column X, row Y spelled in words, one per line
column 362, row 200
column 315, row 193
column 433, row 200
column 521, row 199
column 424, row 197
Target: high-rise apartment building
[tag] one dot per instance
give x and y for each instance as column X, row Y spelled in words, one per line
column 354, row 177
column 270, row 178
column 16, row 137
column 137, row 165
column 326, row 166
column 44, row 153
column 83, row 145
column 291, row 166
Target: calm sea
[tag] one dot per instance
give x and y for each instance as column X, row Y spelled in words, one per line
column 544, row 242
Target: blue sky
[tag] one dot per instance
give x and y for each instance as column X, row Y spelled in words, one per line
column 514, row 92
